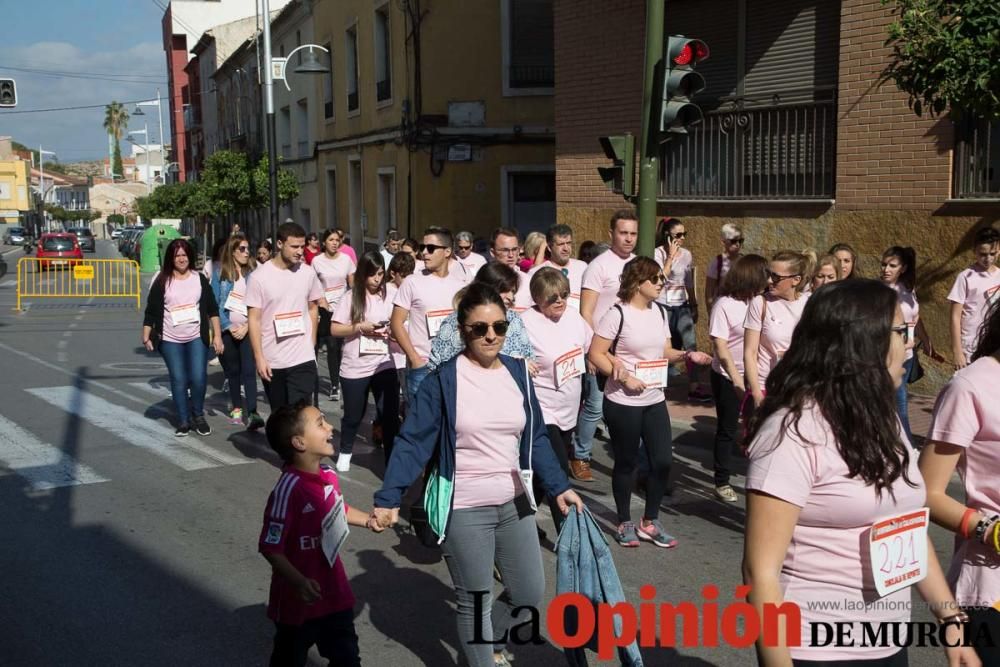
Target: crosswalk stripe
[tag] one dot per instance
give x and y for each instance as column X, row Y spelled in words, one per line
column 44, row 466
column 135, row 429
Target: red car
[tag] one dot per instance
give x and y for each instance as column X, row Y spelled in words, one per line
column 59, row 251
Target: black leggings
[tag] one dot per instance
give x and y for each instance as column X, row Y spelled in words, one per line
column 241, row 370
column 987, row 622
column 727, row 425
column 334, row 347
column 384, row 386
column 562, row 443
column 628, row 425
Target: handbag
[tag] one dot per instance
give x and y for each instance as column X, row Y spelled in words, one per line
column 917, row 370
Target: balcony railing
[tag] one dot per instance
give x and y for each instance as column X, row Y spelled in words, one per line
column 532, row 76
column 977, row 160
column 755, row 152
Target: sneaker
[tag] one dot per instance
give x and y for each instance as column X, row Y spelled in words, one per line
column 254, row 422
column 500, row 660
column 726, row 492
column 581, row 470
column 343, row 462
column 236, row 417
column 201, row 426
column 182, row 431
column 652, row 531
column 507, row 655
column 334, row 394
column 214, row 362
column 626, row 535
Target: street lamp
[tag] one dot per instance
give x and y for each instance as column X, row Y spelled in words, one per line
column 145, row 133
column 159, row 112
column 41, row 180
column 273, row 67
column 166, row 170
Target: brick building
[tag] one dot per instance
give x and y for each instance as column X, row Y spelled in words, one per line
column 802, row 145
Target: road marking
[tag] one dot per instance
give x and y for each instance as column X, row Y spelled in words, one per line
column 136, row 429
column 8, row 283
column 44, row 466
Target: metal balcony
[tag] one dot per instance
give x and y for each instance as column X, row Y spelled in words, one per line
column 976, row 172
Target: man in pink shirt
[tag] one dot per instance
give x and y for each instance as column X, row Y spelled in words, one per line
column 599, row 291
column 559, row 239
column 472, row 261
column 283, row 315
column 426, row 299
column 975, row 289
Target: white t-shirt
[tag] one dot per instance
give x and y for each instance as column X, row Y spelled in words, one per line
column 285, row 294
column 776, row 326
column 423, row 293
column 680, row 278
column 976, row 290
column 604, row 276
column 551, row 341
column 472, row 263
column 643, row 338
column 726, row 323
column 333, row 274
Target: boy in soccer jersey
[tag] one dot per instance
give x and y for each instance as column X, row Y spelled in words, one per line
column 305, row 525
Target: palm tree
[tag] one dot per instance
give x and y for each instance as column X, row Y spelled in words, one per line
column 115, row 122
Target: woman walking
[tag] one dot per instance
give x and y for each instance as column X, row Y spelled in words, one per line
column 336, row 272
column 367, row 367
column 478, row 496
column 631, row 346
column 229, row 286
column 899, row 271
column 181, row 321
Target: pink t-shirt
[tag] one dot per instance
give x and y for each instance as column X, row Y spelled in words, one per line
column 487, row 441
column 423, row 293
column 775, row 326
column 472, row 263
column 911, row 309
column 293, row 527
column 236, row 318
column 182, row 293
column 604, row 276
column 573, row 271
column 333, row 275
column 349, row 251
column 551, row 340
column 284, row 292
column 680, row 278
column 398, row 356
column 825, row 562
column 975, row 290
column 644, row 336
column 726, row 323
column 353, row 364
column 966, row 415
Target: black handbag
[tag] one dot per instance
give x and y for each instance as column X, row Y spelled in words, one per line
column 917, row 370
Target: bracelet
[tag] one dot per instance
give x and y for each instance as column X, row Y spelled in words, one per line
column 960, row 617
column 963, row 527
column 996, row 537
column 983, row 528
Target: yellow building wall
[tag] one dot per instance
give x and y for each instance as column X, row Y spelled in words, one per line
column 14, row 180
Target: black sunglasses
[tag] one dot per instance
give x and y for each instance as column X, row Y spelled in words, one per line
column 430, row 248
column 658, row 278
column 777, row 277
column 903, row 331
column 479, row 329
column 679, row 235
column 243, row 248
column 736, row 241
column 555, row 297
column 465, row 247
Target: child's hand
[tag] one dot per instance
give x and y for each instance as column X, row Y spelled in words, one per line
column 310, row 591
column 373, row 524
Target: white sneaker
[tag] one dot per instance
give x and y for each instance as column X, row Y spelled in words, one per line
column 214, row 362
column 343, row 462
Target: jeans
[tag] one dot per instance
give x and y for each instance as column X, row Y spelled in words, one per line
column 414, row 378
column 902, row 400
column 187, row 368
column 334, row 348
column 681, row 327
column 590, row 417
column 628, row 425
column 240, row 369
column 727, row 425
column 478, row 537
column 333, row 635
column 290, row 385
column 385, row 388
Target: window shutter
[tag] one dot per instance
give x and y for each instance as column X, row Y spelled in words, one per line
column 532, row 44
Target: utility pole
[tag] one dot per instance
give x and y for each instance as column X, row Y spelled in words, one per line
column 272, row 148
column 649, row 146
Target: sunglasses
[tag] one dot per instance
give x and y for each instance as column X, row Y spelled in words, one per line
column 736, row 241
column 243, row 248
column 556, row 297
column 479, row 329
column 430, row 248
column 465, row 247
column 679, row 235
column 777, row 277
column 903, row 331
column 657, row 279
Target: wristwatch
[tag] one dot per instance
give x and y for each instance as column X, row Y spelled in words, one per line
column 960, row 617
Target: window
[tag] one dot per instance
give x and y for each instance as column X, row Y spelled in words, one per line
column 386, row 200
column 331, row 198
column 355, row 204
column 328, row 86
column 976, row 170
column 302, row 127
column 529, row 198
column 383, row 55
column 529, row 45
column 284, row 131
column 351, row 44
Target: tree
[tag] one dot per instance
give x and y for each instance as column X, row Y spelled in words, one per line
column 115, row 121
column 175, row 200
column 116, row 218
column 946, row 55
column 288, row 185
column 225, row 181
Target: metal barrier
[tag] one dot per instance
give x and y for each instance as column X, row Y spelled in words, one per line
column 77, row 278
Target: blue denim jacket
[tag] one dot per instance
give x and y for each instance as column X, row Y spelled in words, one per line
column 584, row 566
column 448, row 343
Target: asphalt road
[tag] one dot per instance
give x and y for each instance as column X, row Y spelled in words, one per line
column 124, row 546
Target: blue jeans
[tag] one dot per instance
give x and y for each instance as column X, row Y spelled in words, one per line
column 186, row 366
column 902, row 400
column 414, row 378
column 590, row 417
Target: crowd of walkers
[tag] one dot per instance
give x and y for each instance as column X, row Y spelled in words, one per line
column 807, row 367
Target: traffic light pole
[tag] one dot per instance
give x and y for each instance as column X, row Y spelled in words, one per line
column 272, row 147
column 649, row 148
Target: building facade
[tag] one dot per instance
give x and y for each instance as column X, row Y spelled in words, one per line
column 15, row 200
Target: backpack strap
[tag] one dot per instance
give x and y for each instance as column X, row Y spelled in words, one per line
column 621, row 323
column 718, row 268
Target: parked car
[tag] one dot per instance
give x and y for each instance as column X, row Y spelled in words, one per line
column 116, row 233
column 128, row 234
column 15, row 236
column 86, row 238
column 130, row 249
column 60, row 250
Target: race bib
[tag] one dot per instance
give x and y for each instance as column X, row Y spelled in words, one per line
column 371, row 345
column 653, row 373
column 235, row 303
column 911, row 332
column 569, row 366
column 334, row 294
column 186, row 314
column 434, row 320
column 898, row 551
column 574, row 301
column 335, row 531
column 675, row 294
column 289, row 324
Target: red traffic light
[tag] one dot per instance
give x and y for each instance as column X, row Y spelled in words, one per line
column 685, row 52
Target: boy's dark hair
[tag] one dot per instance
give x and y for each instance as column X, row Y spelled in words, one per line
column 443, row 235
column 284, row 424
column 987, row 236
column 287, row 230
column 403, row 264
column 503, row 231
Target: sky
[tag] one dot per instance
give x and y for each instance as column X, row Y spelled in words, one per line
column 116, row 40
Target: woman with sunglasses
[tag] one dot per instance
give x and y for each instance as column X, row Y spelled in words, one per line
column 479, row 498
column 899, row 271
column 362, row 320
column 732, row 249
column 229, row 284
column 336, row 272
column 771, row 318
column 560, row 339
column 833, row 488
column 631, row 346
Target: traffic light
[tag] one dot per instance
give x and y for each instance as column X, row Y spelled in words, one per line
column 621, row 177
column 681, row 83
column 8, row 93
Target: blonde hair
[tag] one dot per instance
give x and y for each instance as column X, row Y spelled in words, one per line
column 532, row 244
column 802, row 263
column 828, row 260
column 546, row 282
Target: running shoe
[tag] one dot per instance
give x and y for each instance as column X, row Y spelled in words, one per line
column 182, row 431
column 334, row 394
column 652, row 531
column 343, row 462
column 255, row 421
column 626, row 535
column 726, row 492
column 236, row 417
column 201, row 426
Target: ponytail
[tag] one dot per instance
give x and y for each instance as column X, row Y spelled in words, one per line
column 802, row 263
